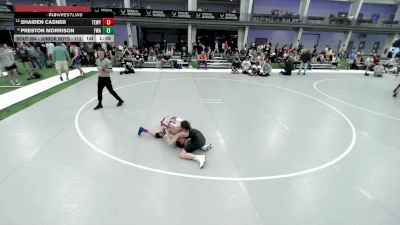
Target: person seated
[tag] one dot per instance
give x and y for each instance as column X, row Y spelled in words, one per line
column 255, row 69
column 273, row 58
column 243, row 53
column 313, row 60
column 236, row 64
column 329, row 55
column 392, row 66
column 152, row 55
column 358, row 63
column 246, row 66
column 128, row 63
column 335, row 62
column 166, row 58
column 376, row 59
column 138, row 59
column 369, row 64
column 202, row 59
column 119, row 55
column 146, row 55
column 321, row 58
column 170, row 51
column 261, row 57
column 253, row 57
column 289, row 66
column 266, row 69
column 184, row 54
column 210, row 54
column 379, row 70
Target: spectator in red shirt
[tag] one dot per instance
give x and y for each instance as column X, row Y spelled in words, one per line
column 202, row 59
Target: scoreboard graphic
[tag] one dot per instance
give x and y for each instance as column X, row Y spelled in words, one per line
column 64, row 27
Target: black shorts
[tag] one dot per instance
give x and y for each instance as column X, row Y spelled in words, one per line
column 193, row 146
column 9, row 68
column 25, row 59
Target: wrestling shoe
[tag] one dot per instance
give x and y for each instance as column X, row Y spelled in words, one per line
column 206, row 147
column 140, row 131
column 120, row 102
column 98, row 106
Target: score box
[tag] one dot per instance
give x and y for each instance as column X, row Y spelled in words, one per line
column 108, row 30
column 108, row 21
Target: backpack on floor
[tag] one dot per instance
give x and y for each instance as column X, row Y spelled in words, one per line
column 34, row 75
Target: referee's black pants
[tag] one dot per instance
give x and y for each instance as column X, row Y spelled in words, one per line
column 105, row 82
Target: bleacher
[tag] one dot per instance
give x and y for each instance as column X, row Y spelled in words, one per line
column 390, row 23
column 166, row 65
column 218, row 62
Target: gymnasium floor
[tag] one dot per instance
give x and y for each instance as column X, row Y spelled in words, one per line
column 316, row 149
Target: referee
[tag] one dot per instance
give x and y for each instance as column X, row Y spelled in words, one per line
column 104, row 66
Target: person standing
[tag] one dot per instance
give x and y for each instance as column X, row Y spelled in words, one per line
column 49, row 49
column 305, row 59
column 61, row 58
column 216, row 48
column 22, row 54
column 104, row 67
column 77, row 59
column 7, row 59
column 396, row 91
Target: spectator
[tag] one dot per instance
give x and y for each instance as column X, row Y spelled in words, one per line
column 246, row 66
column 34, row 56
column 266, row 69
column 216, row 48
column 23, row 55
column 119, row 55
column 7, row 59
column 305, row 59
column 392, row 66
column 184, row 54
column 166, row 58
column 289, row 65
column 77, row 60
column 49, row 49
column 61, row 58
column 379, row 70
column 236, row 64
column 243, row 53
column 369, row 64
column 202, row 59
column 256, row 69
column 351, row 57
column 225, row 46
column 128, row 64
column 138, row 58
column 152, row 55
column 335, row 62
column 329, row 54
column 146, row 55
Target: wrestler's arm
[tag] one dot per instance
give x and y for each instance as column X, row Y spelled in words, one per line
column 173, row 140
